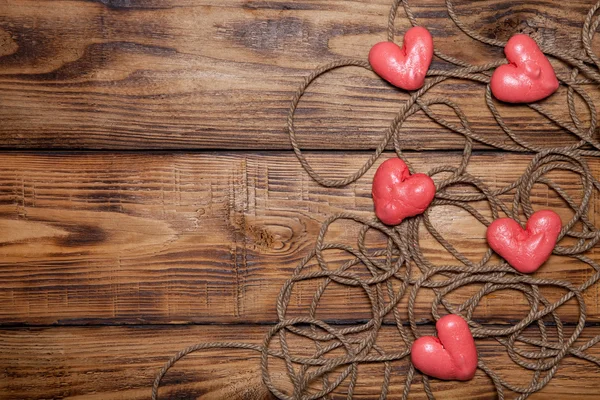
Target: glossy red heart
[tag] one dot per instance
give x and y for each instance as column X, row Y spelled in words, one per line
column 397, row 194
column 525, row 249
column 450, row 356
column 404, row 67
column 529, row 77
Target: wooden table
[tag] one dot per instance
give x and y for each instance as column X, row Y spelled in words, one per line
column 150, row 199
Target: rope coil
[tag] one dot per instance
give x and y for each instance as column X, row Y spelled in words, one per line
column 401, row 270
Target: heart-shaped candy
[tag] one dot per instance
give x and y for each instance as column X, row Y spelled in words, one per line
column 529, row 77
column 404, row 67
column 526, row 250
column 397, row 194
column 450, row 356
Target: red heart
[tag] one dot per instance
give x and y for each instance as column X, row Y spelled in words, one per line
column 529, row 77
column 525, row 249
column 404, row 67
column 450, row 356
column 397, row 194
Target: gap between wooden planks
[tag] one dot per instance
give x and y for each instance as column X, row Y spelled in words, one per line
column 221, row 74
column 130, row 238
column 111, row 363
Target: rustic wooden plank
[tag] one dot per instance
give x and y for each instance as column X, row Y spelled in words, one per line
column 220, row 74
column 120, row 363
column 177, row 238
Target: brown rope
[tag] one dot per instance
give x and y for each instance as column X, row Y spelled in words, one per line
column 401, row 270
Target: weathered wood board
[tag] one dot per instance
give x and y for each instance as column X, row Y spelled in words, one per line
column 220, row 74
column 112, row 363
column 211, row 237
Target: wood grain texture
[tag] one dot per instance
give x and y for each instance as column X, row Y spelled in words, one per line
column 104, row 238
column 220, row 74
column 193, row 246
column 112, row 363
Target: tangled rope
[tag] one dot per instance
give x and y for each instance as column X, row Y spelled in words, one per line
column 401, row 269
